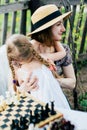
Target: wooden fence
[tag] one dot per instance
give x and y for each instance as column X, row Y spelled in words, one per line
column 15, row 18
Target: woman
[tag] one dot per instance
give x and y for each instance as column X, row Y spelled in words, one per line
column 46, row 39
column 23, row 59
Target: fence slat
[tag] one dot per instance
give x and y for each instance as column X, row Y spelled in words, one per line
column 83, row 37
column 14, row 7
column 5, row 24
column 59, row 2
column 23, row 22
column 4, row 34
column 14, row 22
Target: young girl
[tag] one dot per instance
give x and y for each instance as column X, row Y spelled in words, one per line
column 23, row 59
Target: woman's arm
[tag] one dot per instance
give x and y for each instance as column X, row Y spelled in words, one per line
column 29, row 83
column 69, row 79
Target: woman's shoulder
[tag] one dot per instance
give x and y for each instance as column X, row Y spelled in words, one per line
column 67, row 59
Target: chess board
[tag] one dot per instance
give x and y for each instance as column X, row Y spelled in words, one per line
column 26, row 106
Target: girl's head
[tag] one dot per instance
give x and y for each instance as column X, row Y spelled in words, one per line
column 19, row 49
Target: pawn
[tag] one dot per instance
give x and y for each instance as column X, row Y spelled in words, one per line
column 54, row 126
column 37, row 116
column 15, row 125
column 32, row 118
column 31, row 126
column 42, row 114
column 47, row 110
column 23, row 123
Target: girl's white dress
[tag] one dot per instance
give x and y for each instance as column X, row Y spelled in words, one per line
column 49, row 88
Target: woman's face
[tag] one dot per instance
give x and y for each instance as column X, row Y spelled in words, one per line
column 57, row 30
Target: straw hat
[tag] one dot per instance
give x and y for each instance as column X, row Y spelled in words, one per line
column 46, row 16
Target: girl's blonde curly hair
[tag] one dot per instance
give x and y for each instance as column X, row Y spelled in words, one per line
column 20, row 49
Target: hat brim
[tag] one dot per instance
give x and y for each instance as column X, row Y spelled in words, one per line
column 52, row 22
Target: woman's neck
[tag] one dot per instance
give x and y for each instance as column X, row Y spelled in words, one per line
column 40, row 48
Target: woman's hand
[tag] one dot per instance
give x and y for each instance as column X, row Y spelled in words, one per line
column 30, row 84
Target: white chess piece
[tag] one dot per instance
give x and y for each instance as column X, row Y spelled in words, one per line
column 8, row 98
column 31, row 126
column 1, row 99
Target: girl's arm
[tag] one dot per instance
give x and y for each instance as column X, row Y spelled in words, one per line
column 59, row 54
column 60, row 51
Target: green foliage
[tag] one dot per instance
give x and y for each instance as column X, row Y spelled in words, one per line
column 81, row 64
column 77, row 29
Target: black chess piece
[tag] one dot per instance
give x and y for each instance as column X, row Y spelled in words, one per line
column 55, row 126
column 42, row 114
column 15, row 125
column 32, row 118
column 47, row 110
column 52, row 112
column 23, row 123
column 37, row 115
column 72, row 127
column 67, row 126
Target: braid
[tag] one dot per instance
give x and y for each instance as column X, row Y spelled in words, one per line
column 42, row 60
column 13, row 74
column 39, row 58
